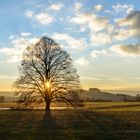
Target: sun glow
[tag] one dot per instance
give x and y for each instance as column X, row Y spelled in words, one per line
column 47, row 84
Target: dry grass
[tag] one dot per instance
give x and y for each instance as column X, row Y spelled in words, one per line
column 96, row 123
column 87, row 105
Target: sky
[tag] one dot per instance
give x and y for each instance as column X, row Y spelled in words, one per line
column 102, row 37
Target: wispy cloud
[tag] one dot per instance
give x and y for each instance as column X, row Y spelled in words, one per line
column 56, row 6
column 101, row 38
column 77, row 6
column 82, row 61
column 99, row 53
column 98, row 7
column 90, row 78
column 25, row 34
column 7, row 77
column 29, row 13
column 14, row 53
column 123, row 8
column 94, row 22
column 41, row 17
column 70, row 41
column 127, row 50
column 131, row 21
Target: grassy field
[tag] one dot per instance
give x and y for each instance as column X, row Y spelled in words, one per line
column 89, row 105
column 95, row 121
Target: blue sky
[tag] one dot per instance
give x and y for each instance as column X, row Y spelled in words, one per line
column 102, row 37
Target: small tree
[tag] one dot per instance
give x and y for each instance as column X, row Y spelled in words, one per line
column 2, row 99
column 47, row 73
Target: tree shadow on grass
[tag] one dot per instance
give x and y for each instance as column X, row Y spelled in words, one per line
column 26, row 124
column 87, row 125
column 68, row 124
column 105, row 126
column 46, row 127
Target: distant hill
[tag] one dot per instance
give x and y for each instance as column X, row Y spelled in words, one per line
column 8, row 96
column 6, row 93
column 94, row 94
column 125, row 91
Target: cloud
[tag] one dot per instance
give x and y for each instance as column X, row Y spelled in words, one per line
column 123, row 29
column 127, row 50
column 98, row 53
column 69, row 41
column 77, row 6
column 121, row 34
column 42, row 17
column 14, row 53
column 131, row 21
column 25, row 34
column 101, row 38
column 123, row 8
column 94, row 22
column 29, row 13
column 11, row 36
column 81, row 61
column 103, row 32
column 100, row 29
column 90, row 78
column 109, row 12
column 98, row 7
column 39, row 5
column 7, row 77
column 56, row 6
column 21, row 42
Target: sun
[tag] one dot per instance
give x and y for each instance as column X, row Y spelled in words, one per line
column 47, row 84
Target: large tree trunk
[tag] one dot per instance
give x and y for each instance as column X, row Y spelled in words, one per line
column 47, row 107
column 47, row 102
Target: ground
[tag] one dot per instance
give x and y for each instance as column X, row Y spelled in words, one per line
column 96, row 121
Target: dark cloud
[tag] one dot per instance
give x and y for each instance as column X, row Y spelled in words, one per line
column 128, row 49
column 133, row 22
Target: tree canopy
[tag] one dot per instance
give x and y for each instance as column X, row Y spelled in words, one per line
column 47, row 74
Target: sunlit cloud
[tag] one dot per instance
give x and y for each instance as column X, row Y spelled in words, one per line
column 42, row 17
column 131, row 21
column 98, row 53
column 7, row 77
column 82, row 61
column 56, row 6
column 123, row 8
column 121, row 34
column 127, row 50
column 77, row 6
column 90, row 78
column 70, row 41
column 11, row 36
column 98, row 7
column 100, row 29
column 14, row 53
column 25, row 34
column 29, row 13
column 94, row 22
column 101, row 38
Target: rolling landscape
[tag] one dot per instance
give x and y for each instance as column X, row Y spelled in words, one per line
column 69, row 70
column 95, row 119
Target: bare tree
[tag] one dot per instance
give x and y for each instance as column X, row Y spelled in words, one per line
column 47, row 73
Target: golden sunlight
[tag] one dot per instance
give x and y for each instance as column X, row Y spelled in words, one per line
column 47, row 84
